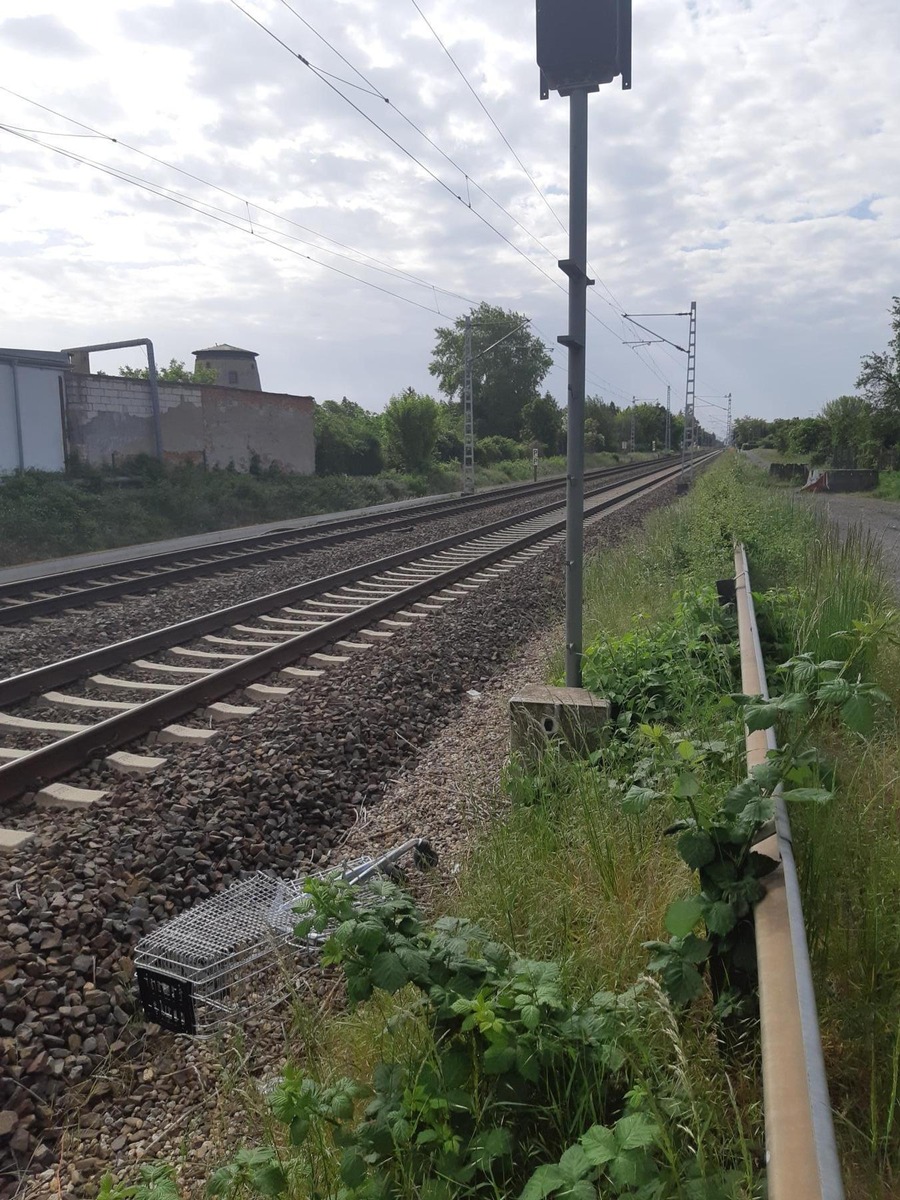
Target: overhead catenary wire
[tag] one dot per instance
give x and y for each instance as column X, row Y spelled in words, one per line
column 409, row 154
column 379, row 262
column 167, row 194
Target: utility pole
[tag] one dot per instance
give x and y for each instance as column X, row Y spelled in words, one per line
column 728, row 422
column 575, row 266
column 579, row 47
column 468, row 481
column 631, row 439
column 668, row 416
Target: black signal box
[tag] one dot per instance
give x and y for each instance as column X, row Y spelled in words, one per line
column 583, row 44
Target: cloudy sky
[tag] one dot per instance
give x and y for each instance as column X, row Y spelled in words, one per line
column 754, row 168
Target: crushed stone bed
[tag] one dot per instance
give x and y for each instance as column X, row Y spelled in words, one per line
column 383, row 747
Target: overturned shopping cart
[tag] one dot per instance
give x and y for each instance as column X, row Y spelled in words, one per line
column 236, row 953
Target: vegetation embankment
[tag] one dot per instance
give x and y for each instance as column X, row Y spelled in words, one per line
column 582, row 1020
column 45, row 516
column 888, row 486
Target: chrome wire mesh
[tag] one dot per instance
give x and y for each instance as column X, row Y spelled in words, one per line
column 207, row 965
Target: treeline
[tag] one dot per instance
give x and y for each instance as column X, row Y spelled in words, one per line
column 513, row 415
column 862, row 430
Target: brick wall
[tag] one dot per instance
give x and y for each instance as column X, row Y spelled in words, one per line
column 110, row 418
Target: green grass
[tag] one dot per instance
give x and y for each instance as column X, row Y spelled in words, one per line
column 848, row 856
column 888, row 486
column 44, row 515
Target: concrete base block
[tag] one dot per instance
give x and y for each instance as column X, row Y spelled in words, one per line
column 572, row 718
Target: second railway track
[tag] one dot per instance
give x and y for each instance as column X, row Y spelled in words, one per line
column 186, row 670
column 61, row 591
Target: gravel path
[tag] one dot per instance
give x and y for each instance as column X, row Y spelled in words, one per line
column 280, row 791
column 48, row 639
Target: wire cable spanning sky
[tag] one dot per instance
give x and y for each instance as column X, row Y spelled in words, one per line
column 747, row 170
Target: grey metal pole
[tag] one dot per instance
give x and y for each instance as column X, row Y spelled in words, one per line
column 668, row 416
column 575, row 266
column 154, row 399
column 17, row 406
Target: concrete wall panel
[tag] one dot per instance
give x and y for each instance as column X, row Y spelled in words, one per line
column 200, row 423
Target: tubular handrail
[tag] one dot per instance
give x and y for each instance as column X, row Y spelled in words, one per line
column 801, row 1151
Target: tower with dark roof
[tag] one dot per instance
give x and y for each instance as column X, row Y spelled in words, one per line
column 233, row 366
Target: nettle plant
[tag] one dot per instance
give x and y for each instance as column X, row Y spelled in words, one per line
column 504, row 1071
column 719, row 845
column 659, row 672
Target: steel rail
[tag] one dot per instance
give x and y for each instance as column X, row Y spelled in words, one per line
column 173, row 566
column 66, row 754
column 20, row 687
column 801, row 1151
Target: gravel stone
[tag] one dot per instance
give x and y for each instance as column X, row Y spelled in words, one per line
column 302, row 782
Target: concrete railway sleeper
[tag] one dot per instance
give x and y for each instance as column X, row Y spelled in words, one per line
column 43, row 595
column 308, row 628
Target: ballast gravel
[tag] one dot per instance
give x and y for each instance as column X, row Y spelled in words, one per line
column 85, row 1084
column 51, row 638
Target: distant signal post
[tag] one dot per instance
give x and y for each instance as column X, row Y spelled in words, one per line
column 581, row 44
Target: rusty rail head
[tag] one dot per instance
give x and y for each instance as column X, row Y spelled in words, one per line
column 801, row 1152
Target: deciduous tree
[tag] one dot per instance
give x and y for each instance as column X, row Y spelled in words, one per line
column 505, row 379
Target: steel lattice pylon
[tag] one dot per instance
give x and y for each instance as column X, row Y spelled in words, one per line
column 689, row 435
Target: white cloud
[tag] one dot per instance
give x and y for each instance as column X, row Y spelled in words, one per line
column 752, row 168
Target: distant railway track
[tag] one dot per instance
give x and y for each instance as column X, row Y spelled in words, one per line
column 61, row 591
column 216, row 654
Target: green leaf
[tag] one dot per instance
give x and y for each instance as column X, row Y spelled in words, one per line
column 489, row 1145
column 686, row 750
column 767, row 774
column 498, row 1059
column 835, row 691
column 682, row 980
column 858, row 714
column 697, row 848
column 531, row 1016
column 574, row 1163
column 599, row 1145
column 795, row 703
column 759, row 716
column 527, row 1063
column 683, row 915
column 736, row 800
column 388, row 972
column 758, row 811
column 807, row 795
column 582, row 1189
column 686, row 785
column 269, row 1179
column 637, row 800
column 694, row 949
column 636, row 1131
column 543, row 1182
column 720, row 917
column 353, row 1168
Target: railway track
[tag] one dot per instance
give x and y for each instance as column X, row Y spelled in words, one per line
column 43, row 595
column 185, row 670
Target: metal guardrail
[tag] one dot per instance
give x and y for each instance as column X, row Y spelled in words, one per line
column 801, row 1151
